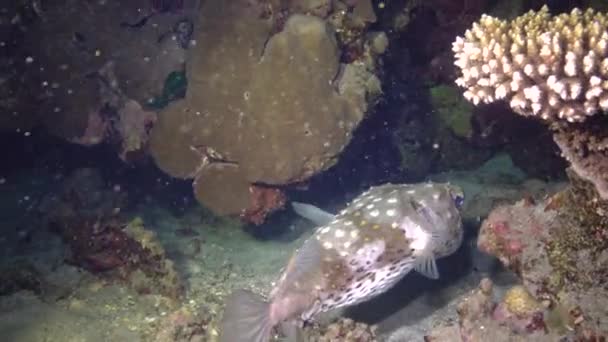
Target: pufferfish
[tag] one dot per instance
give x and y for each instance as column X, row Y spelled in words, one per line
column 353, row 256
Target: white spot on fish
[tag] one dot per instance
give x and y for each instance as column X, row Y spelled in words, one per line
column 339, row 233
column 390, row 212
column 327, row 245
column 411, row 192
column 436, row 197
column 377, row 199
column 394, row 225
column 325, row 230
column 348, row 223
column 343, row 254
column 354, row 234
column 429, row 185
column 419, row 237
column 347, row 244
column 374, row 213
column 392, row 200
column 369, row 206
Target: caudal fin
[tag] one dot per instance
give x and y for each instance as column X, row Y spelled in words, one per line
column 246, row 318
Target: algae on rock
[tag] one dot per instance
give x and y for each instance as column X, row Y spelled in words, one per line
column 453, row 111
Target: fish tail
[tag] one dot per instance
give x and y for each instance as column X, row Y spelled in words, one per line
column 246, row 318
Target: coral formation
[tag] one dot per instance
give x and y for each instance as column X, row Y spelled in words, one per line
column 129, row 254
column 548, row 67
column 88, row 218
column 342, row 330
column 133, row 125
column 558, row 247
column 586, row 148
column 273, row 110
column 183, row 325
column 480, row 318
column 519, row 302
column 264, row 200
column 77, row 92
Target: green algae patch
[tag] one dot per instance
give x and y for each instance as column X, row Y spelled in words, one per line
column 453, row 111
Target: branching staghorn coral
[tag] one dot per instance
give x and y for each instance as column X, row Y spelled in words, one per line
column 554, row 68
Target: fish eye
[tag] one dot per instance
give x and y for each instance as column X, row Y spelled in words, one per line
column 459, row 201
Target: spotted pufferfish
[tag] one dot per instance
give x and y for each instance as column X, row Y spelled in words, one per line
column 353, row 256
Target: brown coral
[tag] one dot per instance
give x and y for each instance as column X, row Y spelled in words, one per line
column 273, row 109
column 553, row 68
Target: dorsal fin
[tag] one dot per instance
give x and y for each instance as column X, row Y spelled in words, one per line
column 312, row 213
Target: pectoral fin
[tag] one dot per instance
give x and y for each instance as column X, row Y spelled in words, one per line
column 426, row 265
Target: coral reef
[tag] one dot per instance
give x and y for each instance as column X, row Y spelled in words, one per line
column 128, row 254
column 247, row 104
column 343, row 330
column 547, row 67
column 87, row 217
column 558, row 247
column 110, row 58
column 183, row 325
column 518, row 317
column 133, row 125
column 585, row 147
column 264, row 200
